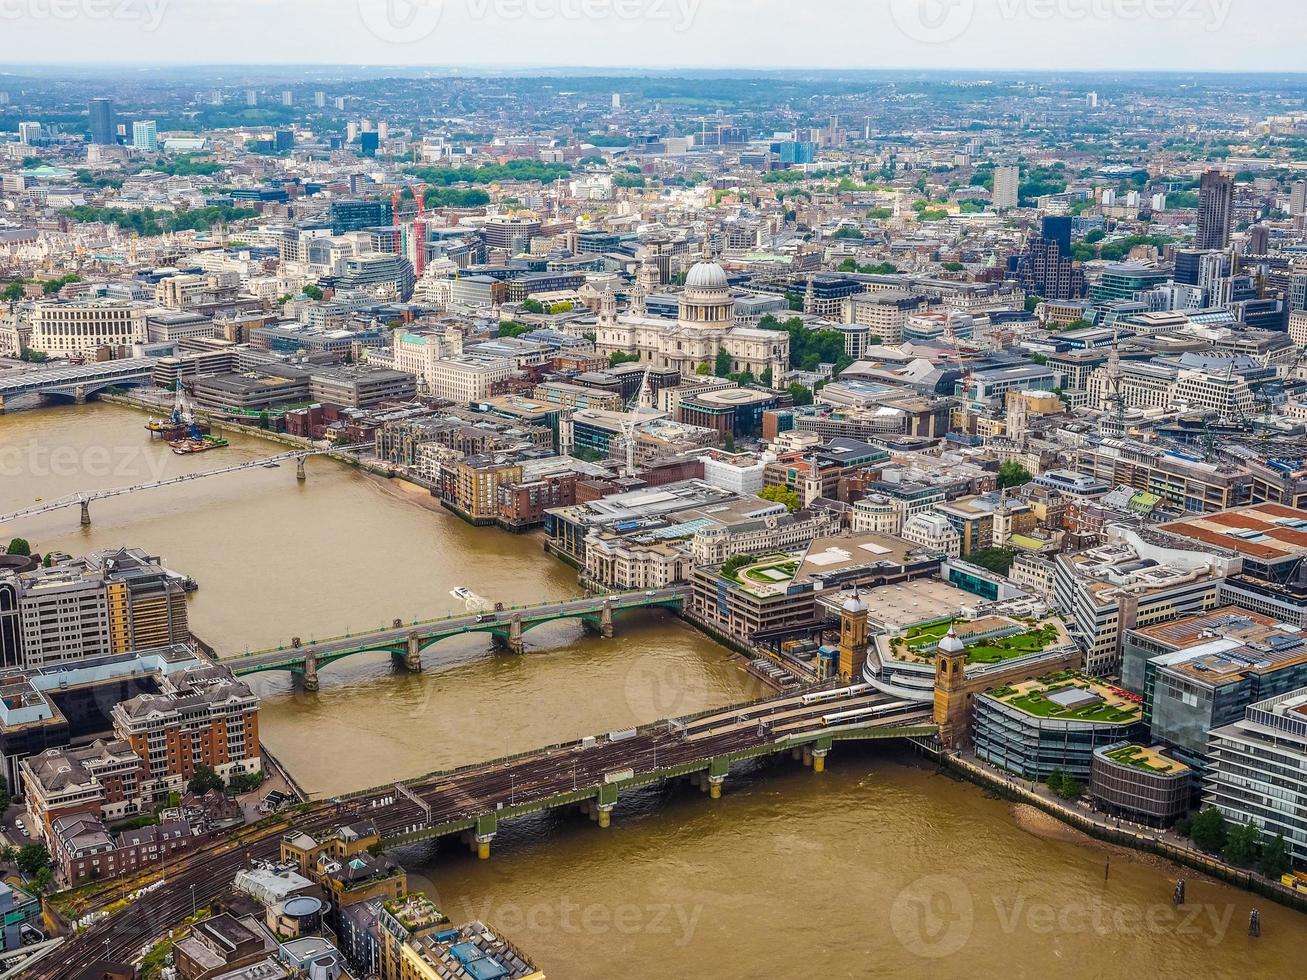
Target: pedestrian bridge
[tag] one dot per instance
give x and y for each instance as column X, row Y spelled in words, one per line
column 405, row 642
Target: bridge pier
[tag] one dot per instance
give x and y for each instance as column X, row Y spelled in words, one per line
column 514, row 642
column 299, row 470
column 79, row 395
column 86, row 513
column 413, row 659
column 606, row 620
column 2, row 404
column 807, row 756
column 605, row 817
column 715, row 787
column 481, row 844
column 819, row 760
column 310, row 671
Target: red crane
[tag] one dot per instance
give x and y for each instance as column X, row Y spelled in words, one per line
column 420, row 231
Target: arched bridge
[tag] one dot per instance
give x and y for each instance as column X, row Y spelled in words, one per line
column 405, row 642
column 78, row 381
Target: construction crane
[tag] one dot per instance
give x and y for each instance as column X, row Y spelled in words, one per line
column 420, row 230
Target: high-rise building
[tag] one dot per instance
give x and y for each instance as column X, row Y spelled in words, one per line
column 320, row 99
column 284, row 140
column 288, row 98
column 29, row 133
column 251, row 97
column 1298, row 198
column 104, row 131
column 145, row 135
column 368, row 143
column 107, row 603
column 1259, row 240
column 1007, row 185
column 1215, row 210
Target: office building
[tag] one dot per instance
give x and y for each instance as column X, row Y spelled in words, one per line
column 103, row 126
column 1140, row 783
column 1258, row 770
column 1215, row 210
column 1034, row 728
column 145, row 135
column 1131, row 582
column 108, row 602
column 29, row 133
column 1201, row 672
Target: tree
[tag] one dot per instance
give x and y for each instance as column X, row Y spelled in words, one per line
column 1275, row 857
column 1243, row 845
column 32, row 858
column 42, row 881
column 19, row 546
column 245, row 782
column 13, row 292
column 722, row 363
column 704, row 369
column 1012, row 474
column 312, row 292
column 511, row 328
column 997, row 560
column 801, row 394
column 205, row 779
column 781, row 495
column 1209, row 830
column 4, row 795
column 766, row 378
column 621, row 357
column 1054, row 781
column 1070, row 789
column 533, row 306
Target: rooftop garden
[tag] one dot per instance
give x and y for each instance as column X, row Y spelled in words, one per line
column 919, row 642
column 774, row 571
column 1138, row 757
column 1035, row 699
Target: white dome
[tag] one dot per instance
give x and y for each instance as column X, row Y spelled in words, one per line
column 951, row 644
column 706, row 275
column 854, row 603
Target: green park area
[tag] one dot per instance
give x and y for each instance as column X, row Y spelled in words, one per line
column 1035, row 699
column 989, row 651
column 1139, row 757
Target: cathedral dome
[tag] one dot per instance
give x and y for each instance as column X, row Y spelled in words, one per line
column 706, row 275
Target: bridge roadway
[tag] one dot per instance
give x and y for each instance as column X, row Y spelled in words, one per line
column 85, row 499
column 700, row 746
column 77, row 380
column 405, row 642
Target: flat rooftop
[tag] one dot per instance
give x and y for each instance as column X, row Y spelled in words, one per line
column 1071, row 697
column 1265, row 532
column 896, row 607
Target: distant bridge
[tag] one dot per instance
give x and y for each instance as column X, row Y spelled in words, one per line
column 85, row 499
column 405, row 643
column 78, row 381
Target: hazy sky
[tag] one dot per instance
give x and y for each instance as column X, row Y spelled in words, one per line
column 1220, row 35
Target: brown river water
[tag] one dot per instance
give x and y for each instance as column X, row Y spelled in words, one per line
column 879, row 867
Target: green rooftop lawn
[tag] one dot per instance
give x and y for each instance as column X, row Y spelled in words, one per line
column 986, row 651
column 1037, row 703
column 1133, row 755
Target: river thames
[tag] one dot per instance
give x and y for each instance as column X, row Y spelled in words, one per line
column 878, row 867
